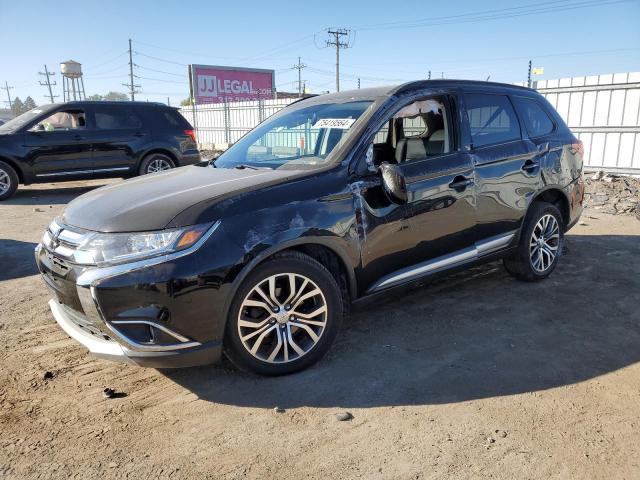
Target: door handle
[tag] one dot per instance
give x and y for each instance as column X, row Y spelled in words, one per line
column 460, row 183
column 530, row 165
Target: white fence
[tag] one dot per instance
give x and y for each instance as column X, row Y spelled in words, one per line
column 221, row 124
column 604, row 112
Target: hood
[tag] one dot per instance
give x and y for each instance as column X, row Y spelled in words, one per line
column 150, row 202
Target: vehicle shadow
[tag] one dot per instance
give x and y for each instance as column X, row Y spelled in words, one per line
column 55, row 195
column 17, row 259
column 473, row 335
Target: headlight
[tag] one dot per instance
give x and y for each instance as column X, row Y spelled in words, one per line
column 112, row 248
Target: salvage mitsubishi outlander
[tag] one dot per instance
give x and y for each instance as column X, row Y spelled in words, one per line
column 335, row 198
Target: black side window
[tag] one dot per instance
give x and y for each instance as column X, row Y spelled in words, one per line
column 491, row 119
column 535, row 117
column 116, row 118
column 174, row 119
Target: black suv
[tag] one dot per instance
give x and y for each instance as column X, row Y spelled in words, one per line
column 81, row 140
column 332, row 200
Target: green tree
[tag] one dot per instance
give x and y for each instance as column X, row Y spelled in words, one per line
column 186, row 102
column 116, row 96
column 95, row 97
column 29, row 104
column 17, row 107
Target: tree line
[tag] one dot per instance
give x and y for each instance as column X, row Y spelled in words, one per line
column 18, row 107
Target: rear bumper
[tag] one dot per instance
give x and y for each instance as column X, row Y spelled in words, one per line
column 190, row 158
column 103, row 347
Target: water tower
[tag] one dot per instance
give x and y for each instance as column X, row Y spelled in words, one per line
column 72, row 83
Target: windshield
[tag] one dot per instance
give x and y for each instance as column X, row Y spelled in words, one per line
column 20, row 121
column 300, row 139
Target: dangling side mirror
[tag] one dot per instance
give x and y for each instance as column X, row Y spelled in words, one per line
column 393, row 183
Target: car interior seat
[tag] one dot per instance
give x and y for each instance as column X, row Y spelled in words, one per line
column 414, row 148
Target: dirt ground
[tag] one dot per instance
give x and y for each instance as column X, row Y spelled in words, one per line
column 475, row 376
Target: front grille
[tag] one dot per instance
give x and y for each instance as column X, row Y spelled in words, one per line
column 63, row 241
column 84, row 323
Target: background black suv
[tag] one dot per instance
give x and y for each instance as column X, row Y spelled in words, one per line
column 81, row 140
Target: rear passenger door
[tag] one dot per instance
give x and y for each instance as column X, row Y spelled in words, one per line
column 118, row 137
column 507, row 165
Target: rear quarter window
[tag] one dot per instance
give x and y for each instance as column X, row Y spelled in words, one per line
column 492, row 119
column 116, row 118
column 172, row 118
column 535, row 118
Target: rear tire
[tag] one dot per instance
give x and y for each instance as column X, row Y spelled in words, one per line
column 541, row 243
column 8, row 181
column 156, row 162
column 291, row 323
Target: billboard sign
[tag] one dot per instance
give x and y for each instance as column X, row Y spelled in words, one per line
column 214, row 84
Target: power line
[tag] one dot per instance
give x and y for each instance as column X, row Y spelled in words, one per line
column 299, row 66
column 160, row 71
column 184, row 82
column 7, row 88
column 94, row 67
column 48, row 82
column 530, row 9
column 336, row 42
column 160, row 59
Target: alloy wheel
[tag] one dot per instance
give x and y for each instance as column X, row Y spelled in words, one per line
column 544, row 243
column 5, row 182
column 158, row 165
column 282, row 318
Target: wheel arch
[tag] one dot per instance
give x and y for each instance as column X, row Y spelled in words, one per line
column 319, row 248
column 163, row 150
column 554, row 195
column 15, row 167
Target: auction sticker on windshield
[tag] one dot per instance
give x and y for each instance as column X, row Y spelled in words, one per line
column 342, row 123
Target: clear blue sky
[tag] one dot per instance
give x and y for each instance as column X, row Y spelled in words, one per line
column 393, row 41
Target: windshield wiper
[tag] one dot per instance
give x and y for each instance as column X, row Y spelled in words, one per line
column 242, row 166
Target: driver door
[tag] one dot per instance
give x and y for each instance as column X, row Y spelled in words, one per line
column 60, row 146
column 436, row 226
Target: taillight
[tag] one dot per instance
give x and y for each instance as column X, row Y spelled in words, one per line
column 578, row 147
column 191, row 133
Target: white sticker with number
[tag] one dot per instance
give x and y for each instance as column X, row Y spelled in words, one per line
column 342, row 123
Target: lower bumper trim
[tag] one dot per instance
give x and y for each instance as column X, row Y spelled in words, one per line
column 111, row 350
column 106, row 349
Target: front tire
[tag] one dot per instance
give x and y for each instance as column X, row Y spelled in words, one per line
column 284, row 317
column 540, row 245
column 156, row 162
column 8, row 181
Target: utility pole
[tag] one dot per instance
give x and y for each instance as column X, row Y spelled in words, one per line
column 358, row 83
column 429, row 77
column 48, row 83
column 132, row 86
column 337, row 33
column 7, row 88
column 299, row 66
column 529, row 75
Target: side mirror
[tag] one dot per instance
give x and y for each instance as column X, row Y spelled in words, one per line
column 393, row 183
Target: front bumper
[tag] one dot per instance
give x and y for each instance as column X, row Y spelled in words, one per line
column 162, row 312
column 109, row 349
